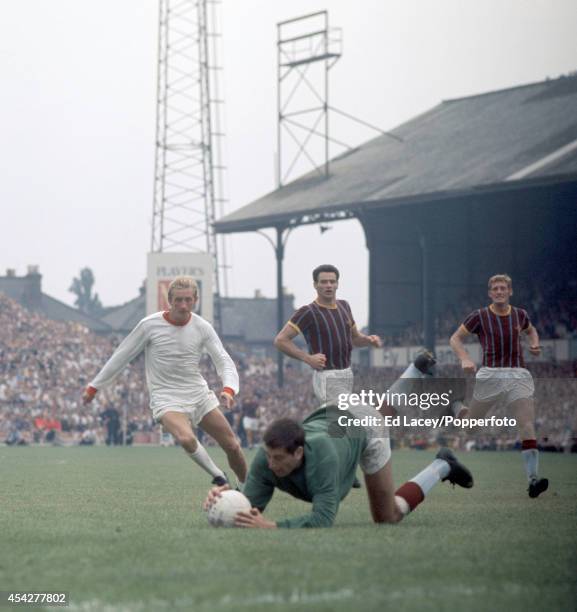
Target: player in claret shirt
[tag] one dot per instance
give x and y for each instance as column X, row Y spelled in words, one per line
column 329, row 329
column 173, row 343
column 503, row 375
column 311, row 464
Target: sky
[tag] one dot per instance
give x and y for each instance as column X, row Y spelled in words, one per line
column 78, row 112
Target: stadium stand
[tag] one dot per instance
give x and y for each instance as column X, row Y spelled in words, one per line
column 552, row 307
column 440, row 204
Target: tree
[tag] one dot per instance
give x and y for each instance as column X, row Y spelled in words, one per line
column 82, row 289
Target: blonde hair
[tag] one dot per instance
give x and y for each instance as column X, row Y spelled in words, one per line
column 501, row 278
column 182, row 282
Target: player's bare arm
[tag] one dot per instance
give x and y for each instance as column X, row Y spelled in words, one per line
column 284, row 342
column 534, row 347
column 457, row 344
column 360, row 340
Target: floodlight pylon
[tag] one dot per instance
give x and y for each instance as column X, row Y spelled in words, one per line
column 188, row 184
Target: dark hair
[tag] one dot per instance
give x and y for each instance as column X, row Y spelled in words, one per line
column 324, row 268
column 284, row 433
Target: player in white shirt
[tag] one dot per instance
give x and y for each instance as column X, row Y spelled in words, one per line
column 173, row 343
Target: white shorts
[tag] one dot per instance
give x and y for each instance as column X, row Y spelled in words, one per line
column 376, row 455
column 509, row 384
column 250, row 423
column 378, row 450
column 195, row 411
column 329, row 384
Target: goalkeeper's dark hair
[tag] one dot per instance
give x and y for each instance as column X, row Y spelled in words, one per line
column 284, row 433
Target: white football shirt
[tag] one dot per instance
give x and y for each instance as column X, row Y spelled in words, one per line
column 172, row 355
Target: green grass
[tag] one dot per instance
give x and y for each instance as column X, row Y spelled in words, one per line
column 121, row 529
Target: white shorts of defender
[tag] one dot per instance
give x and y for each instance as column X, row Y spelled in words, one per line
column 195, row 411
column 329, row 384
column 509, row 384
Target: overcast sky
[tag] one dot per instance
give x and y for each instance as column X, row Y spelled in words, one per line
column 78, row 111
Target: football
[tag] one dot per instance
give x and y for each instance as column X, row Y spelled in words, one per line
column 223, row 511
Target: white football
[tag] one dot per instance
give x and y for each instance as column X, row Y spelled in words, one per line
column 222, row 513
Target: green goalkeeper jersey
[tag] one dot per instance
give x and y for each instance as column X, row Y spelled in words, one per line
column 324, row 478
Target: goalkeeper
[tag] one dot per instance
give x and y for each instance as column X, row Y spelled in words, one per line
column 316, row 462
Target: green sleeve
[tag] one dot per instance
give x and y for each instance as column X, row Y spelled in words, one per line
column 323, row 484
column 259, row 488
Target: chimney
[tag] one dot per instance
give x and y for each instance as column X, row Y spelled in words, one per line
column 32, row 295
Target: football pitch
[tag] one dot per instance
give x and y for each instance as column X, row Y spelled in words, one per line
column 121, row 529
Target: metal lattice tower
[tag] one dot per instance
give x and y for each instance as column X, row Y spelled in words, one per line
column 307, row 50
column 188, row 170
